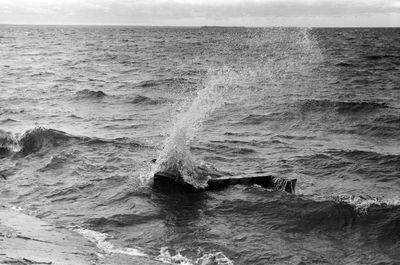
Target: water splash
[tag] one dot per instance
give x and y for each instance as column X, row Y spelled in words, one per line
column 175, row 156
column 233, row 83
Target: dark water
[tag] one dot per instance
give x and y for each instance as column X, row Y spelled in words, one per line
column 84, row 109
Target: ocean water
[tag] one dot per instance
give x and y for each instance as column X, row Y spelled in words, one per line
column 83, row 111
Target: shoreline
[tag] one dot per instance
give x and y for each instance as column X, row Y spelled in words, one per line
column 25, row 239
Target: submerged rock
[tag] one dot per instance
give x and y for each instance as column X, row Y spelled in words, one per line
column 168, row 181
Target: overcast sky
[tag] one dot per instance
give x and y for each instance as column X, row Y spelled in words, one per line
column 314, row 13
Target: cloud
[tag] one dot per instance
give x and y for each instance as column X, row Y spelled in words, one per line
column 162, row 11
column 254, row 8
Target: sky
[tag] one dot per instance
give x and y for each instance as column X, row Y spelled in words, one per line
column 252, row 13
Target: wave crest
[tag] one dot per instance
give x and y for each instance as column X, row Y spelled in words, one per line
column 361, row 203
column 7, row 142
column 35, row 139
column 175, row 257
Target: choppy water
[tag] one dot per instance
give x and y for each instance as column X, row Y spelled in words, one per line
column 84, row 109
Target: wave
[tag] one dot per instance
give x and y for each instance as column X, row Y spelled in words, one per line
column 328, row 214
column 75, row 117
column 389, row 119
column 8, row 142
column 345, row 212
column 342, row 107
column 87, row 94
column 100, row 239
column 344, row 64
column 255, row 143
column 162, row 82
column 383, row 126
column 370, row 157
column 296, row 137
column 376, row 57
column 375, row 130
column 175, row 257
column 362, row 204
column 225, row 149
column 35, row 139
column 121, row 141
column 139, row 99
column 11, row 111
column 380, row 167
column 255, row 119
column 39, row 138
column 40, row 74
column 121, row 220
column 58, row 161
column 165, row 256
column 5, row 121
column 122, row 127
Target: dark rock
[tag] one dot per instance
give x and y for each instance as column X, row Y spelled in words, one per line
column 170, row 182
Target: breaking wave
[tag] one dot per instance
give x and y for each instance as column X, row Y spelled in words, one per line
column 100, row 239
column 7, row 142
column 35, row 139
column 167, row 256
column 362, row 204
column 40, row 138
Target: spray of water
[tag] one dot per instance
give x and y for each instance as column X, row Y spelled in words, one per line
column 175, row 157
column 265, row 58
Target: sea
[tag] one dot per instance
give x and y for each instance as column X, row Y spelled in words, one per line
column 84, row 110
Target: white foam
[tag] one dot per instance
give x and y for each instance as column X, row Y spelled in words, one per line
column 23, row 210
column 17, row 208
column 9, row 141
column 362, row 204
column 100, row 240
column 214, row 258
column 217, row 258
column 166, row 257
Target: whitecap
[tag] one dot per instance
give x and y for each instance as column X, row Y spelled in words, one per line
column 100, row 240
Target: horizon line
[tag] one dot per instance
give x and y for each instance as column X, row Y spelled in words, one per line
column 180, row 26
